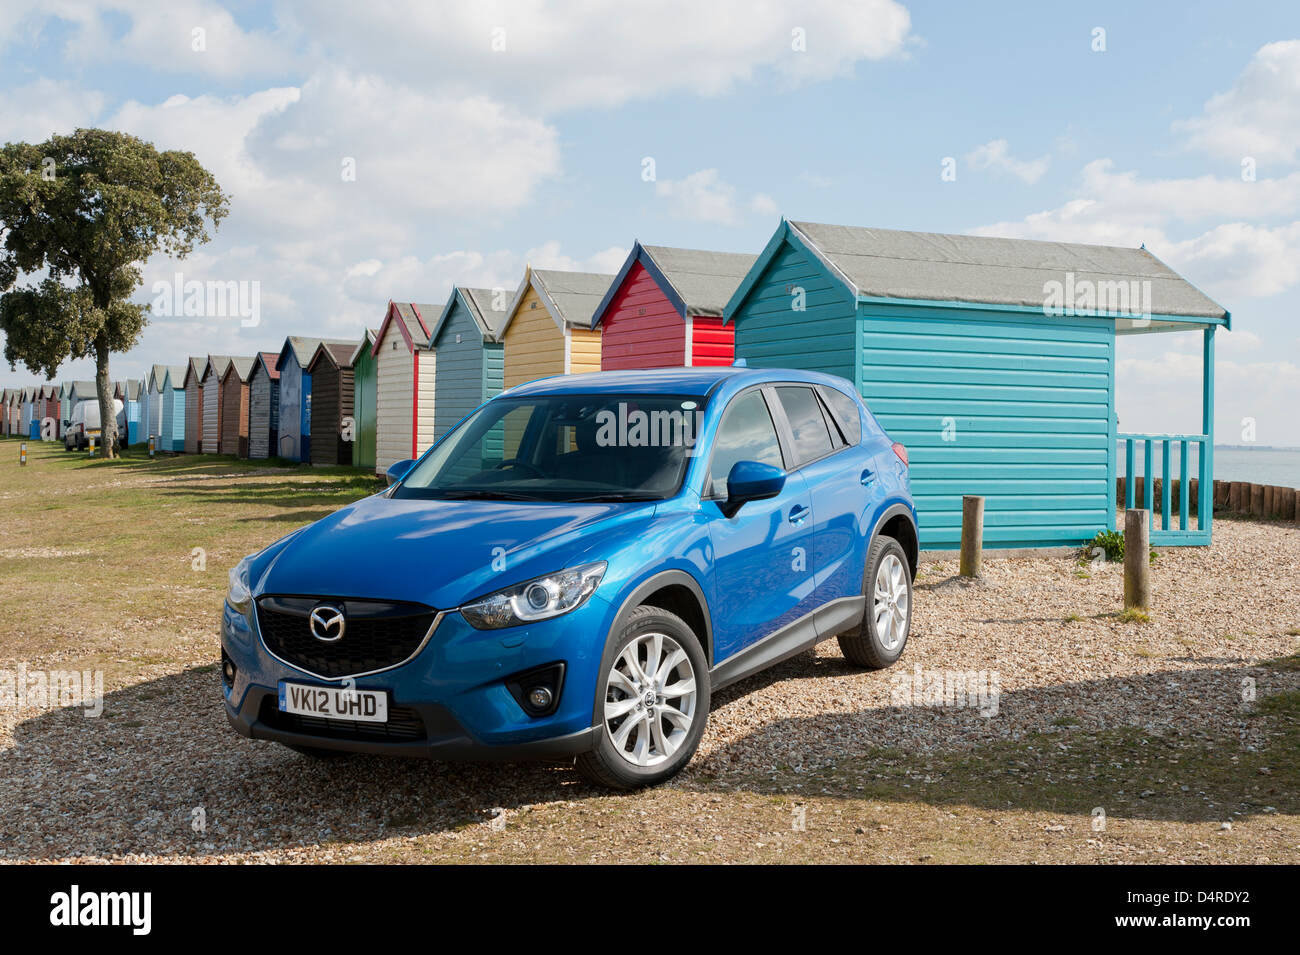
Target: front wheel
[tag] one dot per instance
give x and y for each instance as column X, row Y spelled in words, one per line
column 652, row 702
column 879, row 642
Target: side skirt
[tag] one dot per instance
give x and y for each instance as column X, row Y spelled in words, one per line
column 809, row 630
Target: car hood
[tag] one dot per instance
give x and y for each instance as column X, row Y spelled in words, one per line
column 436, row 552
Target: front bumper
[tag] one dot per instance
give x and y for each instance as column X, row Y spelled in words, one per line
column 449, row 701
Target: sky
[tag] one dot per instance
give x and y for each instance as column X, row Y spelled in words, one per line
column 391, row 149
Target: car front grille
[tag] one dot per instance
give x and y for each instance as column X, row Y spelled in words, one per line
column 404, row 724
column 377, row 634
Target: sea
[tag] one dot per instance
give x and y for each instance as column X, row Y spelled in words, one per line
column 1255, row 465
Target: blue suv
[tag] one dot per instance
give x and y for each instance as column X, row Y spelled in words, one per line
column 575, row 567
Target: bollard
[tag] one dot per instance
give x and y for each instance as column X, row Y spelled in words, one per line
column 92, row 445
column 972, row 536
column 1137, row 560
column 22, row 454
column 150, row 446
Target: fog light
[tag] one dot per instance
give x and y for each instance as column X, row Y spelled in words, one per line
column 537, row 691
column 228, row 670
column 539, row 697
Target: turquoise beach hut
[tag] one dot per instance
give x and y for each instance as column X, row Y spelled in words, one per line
column 171, row 427
column 993, row 361
column 471, row 358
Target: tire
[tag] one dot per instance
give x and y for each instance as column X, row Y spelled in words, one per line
column 637, row 749
column 316, row 752
column 882, row 636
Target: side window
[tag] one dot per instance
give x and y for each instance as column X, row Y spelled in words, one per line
column 845, row 410
column 812, row 438
column 746, row 434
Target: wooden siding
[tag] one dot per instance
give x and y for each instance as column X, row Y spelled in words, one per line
column 584, row 350
column 193, row 416
column 459, row 386
column 641, row 328
column 172, row 427
column 153, row 417
column 211, row 415
column 771, row 333
column 1017, row 409
column 289, row 435
column 331, row 393
column 426, row 403
column 234, row 416
column 364, row 395
column 395, row 368
column 263, row 399
column 534, row 343
column 712, row 342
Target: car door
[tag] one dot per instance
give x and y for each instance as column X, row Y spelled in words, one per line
column 762, row 564
column 841, row 480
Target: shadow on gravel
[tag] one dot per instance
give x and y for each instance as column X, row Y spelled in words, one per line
column 160, row 772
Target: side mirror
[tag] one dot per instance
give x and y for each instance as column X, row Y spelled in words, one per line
column 751, row 481
column 398, row 471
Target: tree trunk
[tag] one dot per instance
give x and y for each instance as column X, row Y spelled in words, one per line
column 104, row 390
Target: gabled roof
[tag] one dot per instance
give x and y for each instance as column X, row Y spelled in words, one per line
column 266, row 360
column 157, row 375
column 195, row 368
column 338, row 354
column 217, row 364
column 82, row 390
column 243, row 367
column 303, row 349
column 175, row 374
column 979, row 270
column 696, row 281
column 478, row 303
column 49, row 391
column 570, row 297
column 131, row 388
column 413, row 320
column 367, row 340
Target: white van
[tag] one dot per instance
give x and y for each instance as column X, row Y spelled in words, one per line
column 84, row 425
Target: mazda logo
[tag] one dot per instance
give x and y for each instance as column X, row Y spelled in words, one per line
column 327, row 623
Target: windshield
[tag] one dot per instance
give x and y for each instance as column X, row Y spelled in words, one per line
column 563, row 448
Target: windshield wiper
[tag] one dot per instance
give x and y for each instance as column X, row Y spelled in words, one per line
column 619, row 496
column 482, row 494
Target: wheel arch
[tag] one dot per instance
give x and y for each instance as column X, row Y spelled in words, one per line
column 897, row 521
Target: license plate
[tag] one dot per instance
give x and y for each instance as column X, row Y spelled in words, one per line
column 334, row 702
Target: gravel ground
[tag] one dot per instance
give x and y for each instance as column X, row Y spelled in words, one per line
column 160, row 777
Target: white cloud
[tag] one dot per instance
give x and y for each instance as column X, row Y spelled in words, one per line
column 996, row 155
column 764, row 205
column 704, row 196
column 37, row 110
column 562, row 55
column 1259, row 116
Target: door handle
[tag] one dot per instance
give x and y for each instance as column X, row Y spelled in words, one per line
column 867, row 477
column 798, row 513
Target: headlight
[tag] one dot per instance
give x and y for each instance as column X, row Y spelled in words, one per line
column 238, row 596
column 537, row 599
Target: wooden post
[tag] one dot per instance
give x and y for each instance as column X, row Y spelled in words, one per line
column 972, row 536
column 1268, row 501
column 1220, row 495
column 1257, row 500
column 1286, row 509
column 1137, row 560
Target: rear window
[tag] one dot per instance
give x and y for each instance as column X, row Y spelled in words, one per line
column 812, row 438
column 845, row 411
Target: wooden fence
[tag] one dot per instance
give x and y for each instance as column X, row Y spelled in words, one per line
column 1268, row 501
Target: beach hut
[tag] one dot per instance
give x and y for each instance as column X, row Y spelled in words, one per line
column 547, row 330
column 171, row 423
column 65, row 404
column 295, row 395
column 664, row 308
column 471, row 358
column 332, row 392
column 233, row 392
column 404, row 368
column 151, row 401
column 49, row 412
column 128, row 391
column 28, row 422
column 8, row 426
column 365, row 393
column 210, row 384
column 193, row 387
column 263, row 406
column 993, row 361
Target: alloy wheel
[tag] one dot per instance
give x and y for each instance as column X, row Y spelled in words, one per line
column 650, row 699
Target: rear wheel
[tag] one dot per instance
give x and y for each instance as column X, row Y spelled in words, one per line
column 887, row 622
column 652, row 702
